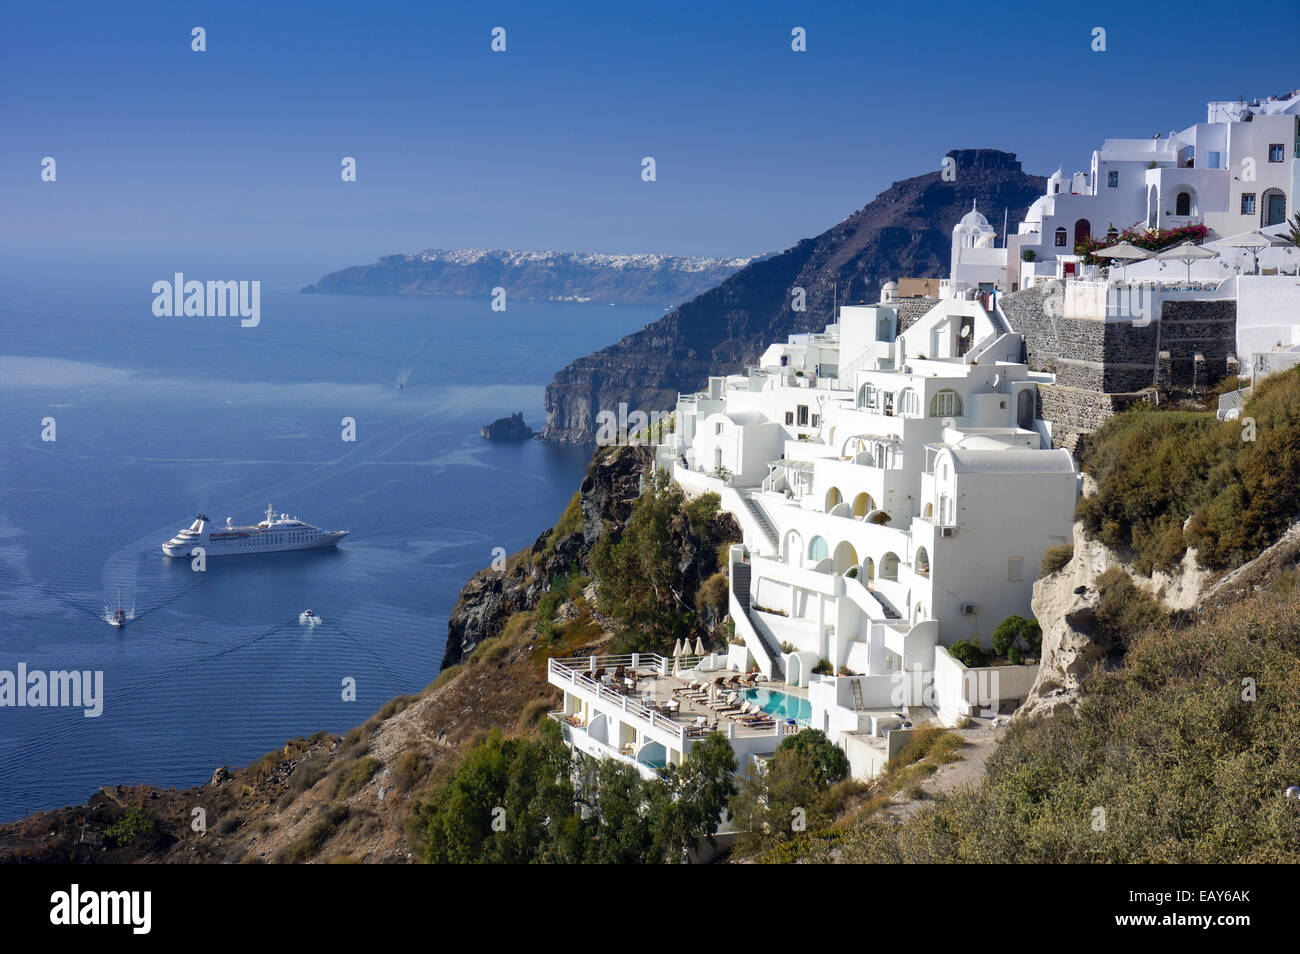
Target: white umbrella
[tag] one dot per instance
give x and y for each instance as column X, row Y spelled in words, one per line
column 1254, row 241
column 677, row 648
column 699, row 646
column 1125, row 252
column 1187, row 252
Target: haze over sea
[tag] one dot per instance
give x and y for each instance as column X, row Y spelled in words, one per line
column 159, row 418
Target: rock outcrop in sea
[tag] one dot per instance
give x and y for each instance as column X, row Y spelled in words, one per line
column 510, row 428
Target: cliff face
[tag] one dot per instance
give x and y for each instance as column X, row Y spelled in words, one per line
column 534, row 276
column 612, row 483
column 906, row 231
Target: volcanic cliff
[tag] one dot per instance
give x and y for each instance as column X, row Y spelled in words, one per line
column 904, row 232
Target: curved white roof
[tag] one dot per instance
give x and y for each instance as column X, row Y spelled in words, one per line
column 974, row 219
column 1010, row 460
column 742, row 418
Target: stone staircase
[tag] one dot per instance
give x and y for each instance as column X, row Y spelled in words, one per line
column 740, row 582
column 764, row 524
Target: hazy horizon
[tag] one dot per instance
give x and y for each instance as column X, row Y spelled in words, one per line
column 237, row 149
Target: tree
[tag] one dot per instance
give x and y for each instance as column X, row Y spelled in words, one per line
column 1014, row 634
column 829, row 760
column 1293, row 233
column 686, row 805
column 777, row 802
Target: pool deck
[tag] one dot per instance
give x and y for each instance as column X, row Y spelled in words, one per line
column 667, row 700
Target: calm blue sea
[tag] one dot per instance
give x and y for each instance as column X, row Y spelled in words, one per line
column 157, row 419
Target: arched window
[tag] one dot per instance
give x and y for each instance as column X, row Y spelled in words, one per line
column 867, row 396
column 947, row 403
column 922, row 562
column 817, row 550
column 909, row 405
column 1060, row 238
column 1183, row 203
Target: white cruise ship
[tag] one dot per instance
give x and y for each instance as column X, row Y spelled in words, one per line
column 273, row 534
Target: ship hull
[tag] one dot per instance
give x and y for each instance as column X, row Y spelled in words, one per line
column 213, row 548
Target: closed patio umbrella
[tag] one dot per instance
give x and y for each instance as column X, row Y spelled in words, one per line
column 1187, row 252
column 699, row 646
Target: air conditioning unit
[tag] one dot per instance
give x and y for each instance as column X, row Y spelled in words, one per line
column 947, row 531
column 967, row 609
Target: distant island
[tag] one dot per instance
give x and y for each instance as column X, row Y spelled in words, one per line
column 510, row 428
column 632, row 279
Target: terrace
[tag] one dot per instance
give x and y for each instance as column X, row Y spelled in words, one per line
column 649, row 710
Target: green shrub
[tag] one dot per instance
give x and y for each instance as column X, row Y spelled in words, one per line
column 353, row 776
column 1055, row 558
column 968, row 653
column 135, row 828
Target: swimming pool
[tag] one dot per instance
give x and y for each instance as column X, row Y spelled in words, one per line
column 781, row 704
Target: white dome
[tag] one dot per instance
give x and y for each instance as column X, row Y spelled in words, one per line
column 974, row 219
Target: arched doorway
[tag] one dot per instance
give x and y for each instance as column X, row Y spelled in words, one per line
column 845, row 556
column 863, row 505
column 817, row 550
column 1153, row 207
column 833, row 499
column 1183, row 203
column 922, row 562
column 1273, row 207
column 868, row 571
column 1082, row 232
column 889, row 566
column 794, row 547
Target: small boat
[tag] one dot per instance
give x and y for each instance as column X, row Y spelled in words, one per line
column 118, row 618
column 310, row 614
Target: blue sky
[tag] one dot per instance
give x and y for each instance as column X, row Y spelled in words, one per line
column 159, row 147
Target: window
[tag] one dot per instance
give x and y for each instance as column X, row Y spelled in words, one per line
column 1183, row 204
column 1112, row 179
column 803, row 414
column 947, row 403
column 717, row 428
column 1060, row 238
column 1015, row 569
column 815, row 419
column 908, row 403
column 1213, row 160
column 1276, row 152
column 789, row 417
column 1248, row 203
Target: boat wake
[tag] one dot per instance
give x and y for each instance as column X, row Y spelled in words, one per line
column 309, row 618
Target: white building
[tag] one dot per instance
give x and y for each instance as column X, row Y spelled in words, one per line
column 897, row 492
column 1235, row 173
